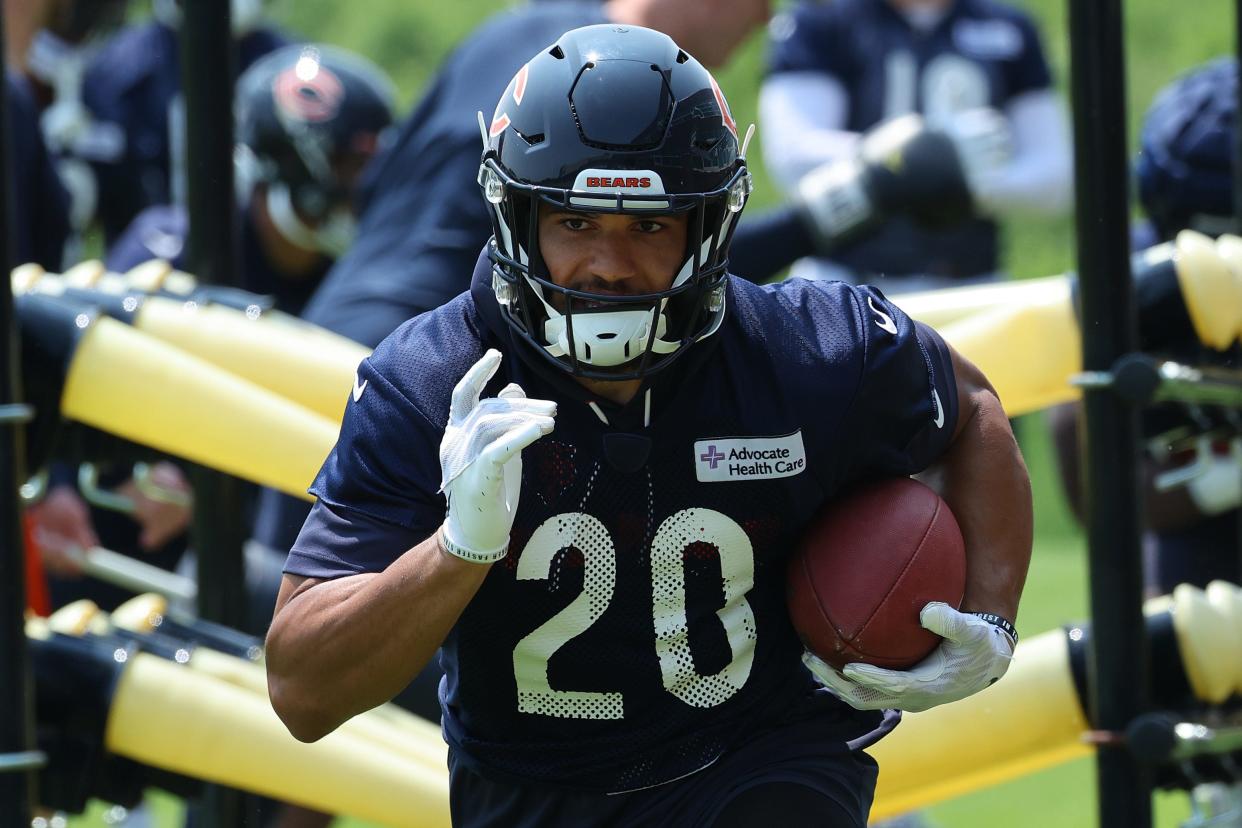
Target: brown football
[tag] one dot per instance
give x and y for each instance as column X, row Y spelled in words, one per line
column 866, row 565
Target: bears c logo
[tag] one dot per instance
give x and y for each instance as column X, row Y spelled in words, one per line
column 307, row 91
column 725, row 115
column 500, row 119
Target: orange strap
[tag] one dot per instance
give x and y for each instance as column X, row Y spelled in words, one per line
column 38, row 599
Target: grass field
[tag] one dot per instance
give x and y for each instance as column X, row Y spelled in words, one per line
column 409, row 38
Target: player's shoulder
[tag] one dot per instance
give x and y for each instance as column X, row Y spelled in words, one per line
column 132, row 54
column 1000, row 15
column 423, row 359
column 812, row 19
column 830, row 10
column 807, row 317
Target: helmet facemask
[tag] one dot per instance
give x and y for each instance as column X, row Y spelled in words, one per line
column 607, row 336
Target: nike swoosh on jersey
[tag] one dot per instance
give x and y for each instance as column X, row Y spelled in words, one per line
column 881, row 318
column 359, row 387
column 939, row 420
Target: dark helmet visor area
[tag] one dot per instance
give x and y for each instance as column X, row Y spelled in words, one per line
column 688, row 310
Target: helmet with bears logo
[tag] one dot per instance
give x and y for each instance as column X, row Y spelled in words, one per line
column 612, row 119
column 309, row 117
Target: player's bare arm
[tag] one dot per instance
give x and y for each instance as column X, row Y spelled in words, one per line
column 984, row 480
column 342, row 646
column 339, row 647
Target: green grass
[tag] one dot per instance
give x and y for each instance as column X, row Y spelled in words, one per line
column 408, row 39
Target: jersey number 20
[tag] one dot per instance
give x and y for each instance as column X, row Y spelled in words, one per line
column 668, row 602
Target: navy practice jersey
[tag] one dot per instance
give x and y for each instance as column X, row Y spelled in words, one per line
column 162, row 232
column 638, row 626
column 982, row 54
column 41, row 206
column 133, row 82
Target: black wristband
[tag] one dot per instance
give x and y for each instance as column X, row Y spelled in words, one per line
column 1005, row 624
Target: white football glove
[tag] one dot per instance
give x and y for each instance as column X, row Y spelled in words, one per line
column 1218, row 485
column 481, row 461
column 973, row 655
column 984, row 145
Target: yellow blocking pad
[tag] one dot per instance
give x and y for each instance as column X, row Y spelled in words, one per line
column 130, row 384
column 312, row 369
column 388, row 725
column 1029, row 720
column 941, row 307
column 1031, row 347
column 1227, row 598
column 1210, row 649
column 173, row 718
column 84, row 274
column 1207, row 635
column 1028, row 350
column 25, row 277
column 78, row 618
column 1211, row 290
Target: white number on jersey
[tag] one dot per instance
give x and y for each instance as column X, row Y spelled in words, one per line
column 590, row 537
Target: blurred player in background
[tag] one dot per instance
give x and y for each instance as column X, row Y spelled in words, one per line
column 133, row 85
column 309, row 119
column 616, row 642
column 974, row 69
column 40, row 202
column 1184, row 172
column 1193, row 465
column 52, row 43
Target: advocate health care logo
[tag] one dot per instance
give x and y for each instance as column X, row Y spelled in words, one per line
column 721, row 459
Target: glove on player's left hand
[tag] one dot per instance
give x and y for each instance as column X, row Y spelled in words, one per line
column 973, row 655
column 481, row 461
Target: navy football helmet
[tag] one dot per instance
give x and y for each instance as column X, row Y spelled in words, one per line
column 612, row 119
column 308, row 119
column 1185, row 163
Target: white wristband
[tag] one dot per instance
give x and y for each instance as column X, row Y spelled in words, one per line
column 459, row 551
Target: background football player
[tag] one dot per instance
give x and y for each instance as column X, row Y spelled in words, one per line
column 975, row 70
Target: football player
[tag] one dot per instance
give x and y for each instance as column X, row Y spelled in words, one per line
column 132, row 87
column 540, row 480
column 972, row 68
column 309, row 119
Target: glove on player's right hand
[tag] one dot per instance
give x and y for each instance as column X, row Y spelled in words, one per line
column 481, row 461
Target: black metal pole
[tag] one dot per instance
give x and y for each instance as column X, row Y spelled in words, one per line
column 1118, row 663
column 17, row 778
column 1237, row 130
column 208, row 69
column 1237, row 176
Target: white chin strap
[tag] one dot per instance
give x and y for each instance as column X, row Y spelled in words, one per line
column 332, row 238
column 607, row 339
